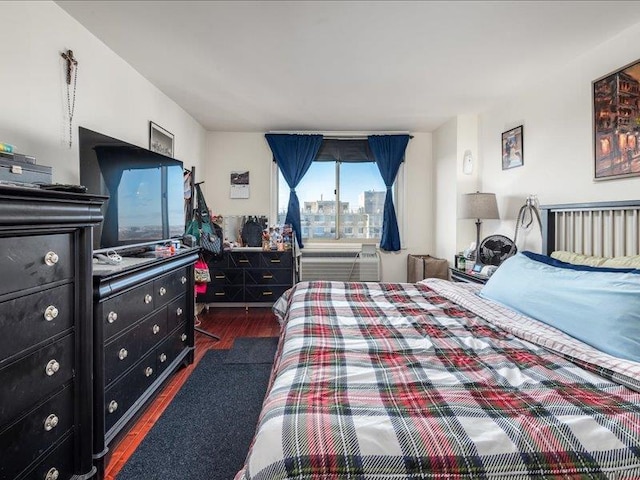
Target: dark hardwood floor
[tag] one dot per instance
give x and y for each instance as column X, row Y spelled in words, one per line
column 228, row 324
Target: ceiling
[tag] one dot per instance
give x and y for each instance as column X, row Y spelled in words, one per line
column 347, row 65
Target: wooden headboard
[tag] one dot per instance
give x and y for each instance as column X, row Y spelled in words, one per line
column 607, row 229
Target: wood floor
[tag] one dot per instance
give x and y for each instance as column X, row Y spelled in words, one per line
column 228, row 324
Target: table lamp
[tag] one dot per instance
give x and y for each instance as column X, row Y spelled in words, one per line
column 479, row 206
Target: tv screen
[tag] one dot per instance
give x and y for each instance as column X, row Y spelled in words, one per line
column 145, row 190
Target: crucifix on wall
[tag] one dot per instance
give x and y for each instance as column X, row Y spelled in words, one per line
column 72, row 67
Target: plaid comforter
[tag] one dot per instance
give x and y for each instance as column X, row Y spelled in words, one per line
column 394, row 381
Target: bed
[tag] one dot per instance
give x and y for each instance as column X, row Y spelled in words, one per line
column 437, row 380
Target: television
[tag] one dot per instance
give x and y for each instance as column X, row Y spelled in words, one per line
column 146, row 192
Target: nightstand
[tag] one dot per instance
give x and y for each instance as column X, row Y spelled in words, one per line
column 462, row 276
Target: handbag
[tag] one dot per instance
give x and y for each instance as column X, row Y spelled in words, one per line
column 202, row 229
column 201, row 271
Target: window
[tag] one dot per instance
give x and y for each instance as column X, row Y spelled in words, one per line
column 339, row 200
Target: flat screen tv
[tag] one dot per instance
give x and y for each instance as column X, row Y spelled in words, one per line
column 145, row 190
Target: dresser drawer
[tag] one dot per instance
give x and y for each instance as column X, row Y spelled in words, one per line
column 245, row 259
column 264, row 293
column 232, row 276
column 35, row 260
column 35, row 377
column 222, row 293
column 30, row 320
column 121, row 311
column 38, row 431
column 276, row 260
column 169, row 286
column 127, row 349
column 171, row 347
column 270, row 276
column 56, row 465
column 177, row 311
column 121, row 396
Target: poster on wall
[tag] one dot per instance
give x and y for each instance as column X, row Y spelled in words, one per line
column 616, row 123
column 239, row 185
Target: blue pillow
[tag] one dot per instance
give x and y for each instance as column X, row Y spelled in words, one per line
column 600, row 308
column 586, row 268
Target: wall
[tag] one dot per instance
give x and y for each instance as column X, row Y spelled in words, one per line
column 112, row 98
column 558, row 155
column 233, row 151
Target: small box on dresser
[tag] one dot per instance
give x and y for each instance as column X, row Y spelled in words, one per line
column 46, row 334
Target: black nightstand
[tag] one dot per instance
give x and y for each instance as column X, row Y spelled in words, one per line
column 462, row 276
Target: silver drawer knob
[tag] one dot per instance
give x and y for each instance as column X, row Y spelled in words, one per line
column 51, row 258
column 112, row 317
column 163, row 358
column 52, row 367
column 179, row 311
column 50, row 313
column 122, row 354
column 148, row 372
column 113, row 406
column 147, row 298
column 183, row 280
column 156, row 329
column 162, row 291
column 50, row 422
column 183, row 337
column 52, row 474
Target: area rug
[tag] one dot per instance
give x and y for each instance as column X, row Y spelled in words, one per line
column 206, row 430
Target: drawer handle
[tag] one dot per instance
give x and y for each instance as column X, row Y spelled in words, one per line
column 112, row 317
column 52, row 367
column 218, row 276
column 267, row 277
column 52, row 474
column 243, row 260
column 50, row 313
column 183, row 337
column 219, row 294
column 275, row 260
column 113, row 406
column 179, row 311
column 122, row 354
column 183, row 280
column 147, row 298
column 162, row 291
column 50, row 422
column 163, row 358
column 51, row 258
column 267, row 293
column 155, row 329
column 148, row 372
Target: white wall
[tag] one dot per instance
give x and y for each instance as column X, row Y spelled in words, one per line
column 112, row 98
column 558, row 138
column 233, row 151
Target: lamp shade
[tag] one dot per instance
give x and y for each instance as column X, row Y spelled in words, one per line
column 479, row 205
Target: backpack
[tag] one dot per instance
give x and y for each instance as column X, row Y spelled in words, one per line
column 252, row 233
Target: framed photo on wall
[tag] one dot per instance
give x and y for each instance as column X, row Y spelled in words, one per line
column 160, row 140
column 512, row 148
column 616, row 124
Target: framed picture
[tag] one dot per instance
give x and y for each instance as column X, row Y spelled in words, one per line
column 512, row 148
column 616, row 124
column 160, row 140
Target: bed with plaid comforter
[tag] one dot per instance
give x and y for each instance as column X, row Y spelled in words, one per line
column 428, row 381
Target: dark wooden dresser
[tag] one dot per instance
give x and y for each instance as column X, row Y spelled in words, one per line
column 46, row 334
column 249, row 276
column 143, row 332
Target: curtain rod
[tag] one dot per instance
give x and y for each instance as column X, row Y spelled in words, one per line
column 344, row 137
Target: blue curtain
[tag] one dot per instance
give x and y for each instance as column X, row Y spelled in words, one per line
column 294, row 154
column 388, row 150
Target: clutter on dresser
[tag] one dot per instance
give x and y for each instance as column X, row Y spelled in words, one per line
column 19, row 169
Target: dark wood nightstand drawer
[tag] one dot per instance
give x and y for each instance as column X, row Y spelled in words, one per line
column 462, row 276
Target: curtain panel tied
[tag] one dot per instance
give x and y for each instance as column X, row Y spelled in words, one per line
column 294, row 155
column 388, row 151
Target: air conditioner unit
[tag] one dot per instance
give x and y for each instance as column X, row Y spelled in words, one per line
column 340, row 266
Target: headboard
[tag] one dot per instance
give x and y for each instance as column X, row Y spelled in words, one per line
column 607, row 229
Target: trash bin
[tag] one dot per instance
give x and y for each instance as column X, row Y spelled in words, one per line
column 420, row 267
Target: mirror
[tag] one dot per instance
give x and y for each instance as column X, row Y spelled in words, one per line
column 232, row 226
